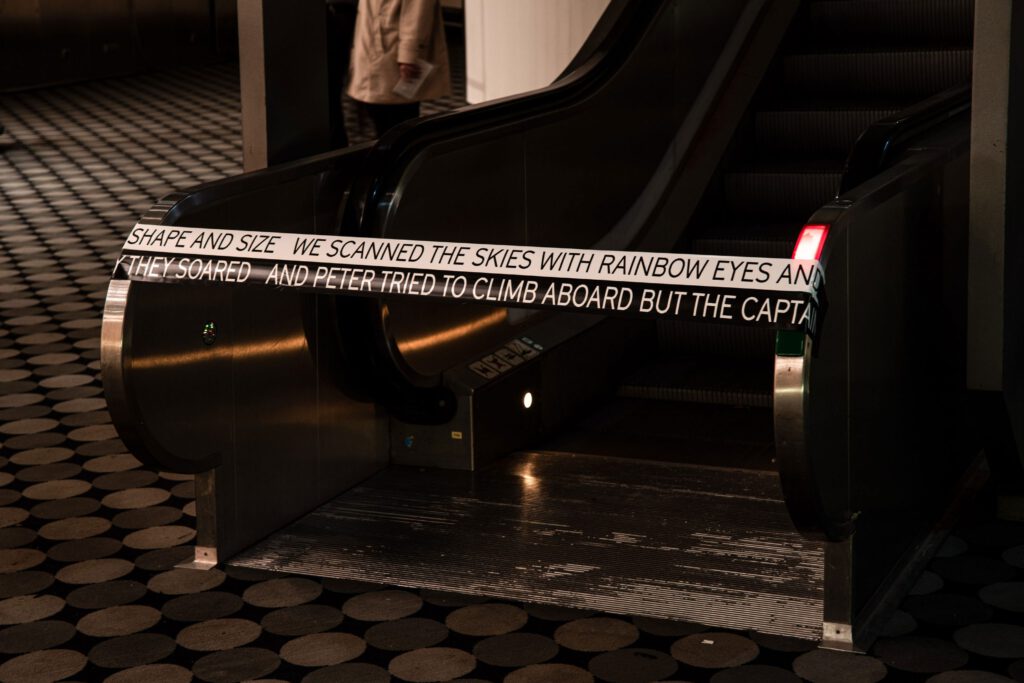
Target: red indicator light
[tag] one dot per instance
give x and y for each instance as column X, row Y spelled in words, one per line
column 810, row 243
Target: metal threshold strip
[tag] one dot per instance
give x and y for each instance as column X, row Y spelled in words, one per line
column 583, row 531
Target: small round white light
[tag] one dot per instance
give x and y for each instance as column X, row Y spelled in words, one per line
column 528, row 399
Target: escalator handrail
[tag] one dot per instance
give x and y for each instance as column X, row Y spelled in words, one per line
column 621, row 25
column 878, row 145
column 808, row 506
column 383, row 372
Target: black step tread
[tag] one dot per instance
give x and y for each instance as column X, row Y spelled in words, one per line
column 889, row 22
column 879, row 75
column 704, row 340
column 815, row 132
column 754, row 239
column 782, row 191
column 710, row 381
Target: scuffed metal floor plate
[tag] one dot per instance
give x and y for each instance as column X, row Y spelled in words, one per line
column 703, row 544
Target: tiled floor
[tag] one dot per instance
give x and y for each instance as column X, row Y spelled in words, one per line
column 89, row 540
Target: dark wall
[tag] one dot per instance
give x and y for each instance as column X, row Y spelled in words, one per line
column 56, row 41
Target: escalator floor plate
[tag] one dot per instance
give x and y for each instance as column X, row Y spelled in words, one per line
column 702, row 544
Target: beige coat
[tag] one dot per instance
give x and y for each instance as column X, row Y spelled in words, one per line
column 393, row 31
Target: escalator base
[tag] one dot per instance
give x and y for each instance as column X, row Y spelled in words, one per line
column 708, row 545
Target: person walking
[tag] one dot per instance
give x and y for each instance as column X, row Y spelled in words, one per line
column 399, row 59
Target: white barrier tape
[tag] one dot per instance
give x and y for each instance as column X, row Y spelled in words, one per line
column 780, row 293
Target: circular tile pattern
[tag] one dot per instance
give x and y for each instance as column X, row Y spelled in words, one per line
column 714, row 650
column 947, row 609
column 10, row 517
column 119, row 481
column 824, row 666
column 218, row 634
column 403, row 635
column 900, row 624
column 667, row 628
column 123, row 652
column 41, row 456
column 305, row 619
column 44, row 665
column 432, row 664
column 152, row 673
column 85, row 549
column 164, row 559
column 920, row 655
column 159, row 537
column 22, row 609
column 122, row 620
column 966, row 676
column 358, row 672
column 19, row 559
column 134, row 498
column 63, row 509
column 202, row 606
column 1008, row 596
column 632, row 664
column 515, row 649
column 57, row 490
column 952, row 547
column 37, row 635
column 94, row 571
column 547, row 673
column 596, row 634
column 146, row 517
column 231, row 666
column 755, row 673
column 51, row 472
column 782, row 643
column 1013, row 556
column 386, row 605
column 74, row 528
column 1002, row 641
column 24, row 583
column 287, row 592
column 184, row 581
column 107, row 464
column 489, row 619
column 107, row 594
column 16, row 537
column 927, row 583
column 447, row 599
column 975, row 570
column 322, row 649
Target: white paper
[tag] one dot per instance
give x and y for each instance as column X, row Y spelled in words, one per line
column 409, row 88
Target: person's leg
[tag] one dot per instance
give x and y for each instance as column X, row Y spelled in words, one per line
column 340, row 26
column 387, row 116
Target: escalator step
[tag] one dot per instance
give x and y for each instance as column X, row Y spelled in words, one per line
column 773, row 240
column 732, row 383
column 909, row 74
column 814, row 133
column 880, row 23
column 775, row 194
column 699, row 338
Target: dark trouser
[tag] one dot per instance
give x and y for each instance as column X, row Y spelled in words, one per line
column 341, row 24
column 387, row 116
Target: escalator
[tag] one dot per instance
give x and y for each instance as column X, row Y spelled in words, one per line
column 670, row 468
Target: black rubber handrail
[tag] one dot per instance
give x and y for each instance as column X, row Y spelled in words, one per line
column 620, row 27
column 385, row 375
column 883, row 140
